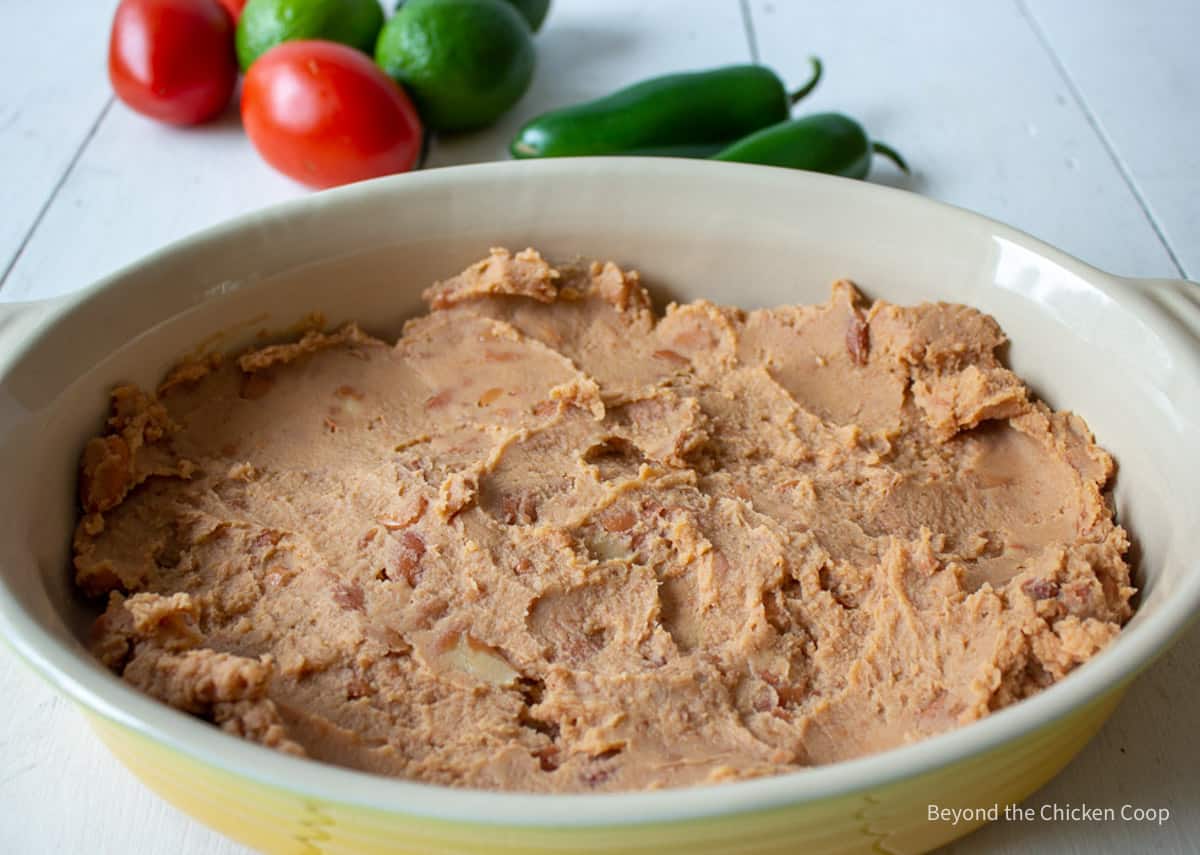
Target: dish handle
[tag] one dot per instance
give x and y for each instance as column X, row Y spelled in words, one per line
column 19, row 320
column 1179, row 297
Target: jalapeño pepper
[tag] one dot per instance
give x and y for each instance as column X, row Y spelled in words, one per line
column 694, row 114
column 823, row 142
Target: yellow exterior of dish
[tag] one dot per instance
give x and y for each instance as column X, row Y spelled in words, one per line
column 890, row 819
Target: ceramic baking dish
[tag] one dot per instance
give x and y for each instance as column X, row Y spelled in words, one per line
column 1123, row 353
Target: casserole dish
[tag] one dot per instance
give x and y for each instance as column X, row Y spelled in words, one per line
column 1123, row 353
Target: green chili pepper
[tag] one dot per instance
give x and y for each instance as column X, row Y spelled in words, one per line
column 823, row 142
column 695, row 114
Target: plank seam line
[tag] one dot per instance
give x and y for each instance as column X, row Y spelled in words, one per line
column 53, row 195
column 748, row 26
column 1092, row 120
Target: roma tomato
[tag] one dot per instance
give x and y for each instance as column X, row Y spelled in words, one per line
column 324, row 114
column 233, row 7
column 173, row 60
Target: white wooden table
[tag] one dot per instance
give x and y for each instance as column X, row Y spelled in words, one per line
column 1076, row 120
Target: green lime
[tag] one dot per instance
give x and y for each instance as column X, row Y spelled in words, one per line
column 464, row 62
column 533, row 10
column 266, row 23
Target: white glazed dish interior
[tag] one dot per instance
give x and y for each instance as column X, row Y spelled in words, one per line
column 1124, row 354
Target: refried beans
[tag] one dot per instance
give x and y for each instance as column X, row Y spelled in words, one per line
column 553, row 540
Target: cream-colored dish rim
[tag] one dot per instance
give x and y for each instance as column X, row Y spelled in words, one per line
column 1177, row 318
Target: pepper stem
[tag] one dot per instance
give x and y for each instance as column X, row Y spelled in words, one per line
column 817, row 70
column 892, row 155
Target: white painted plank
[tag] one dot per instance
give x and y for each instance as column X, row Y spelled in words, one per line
column 1137, row 69
column 53, row 87
column 971, row 96
column 588, row 48
column 62, row 792
column 138, row 186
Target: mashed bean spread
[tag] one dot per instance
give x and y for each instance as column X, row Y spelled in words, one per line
column 553, row 540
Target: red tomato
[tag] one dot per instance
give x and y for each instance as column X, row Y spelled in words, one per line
column 233, row 7
column 173, row 60
column 324, row 114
